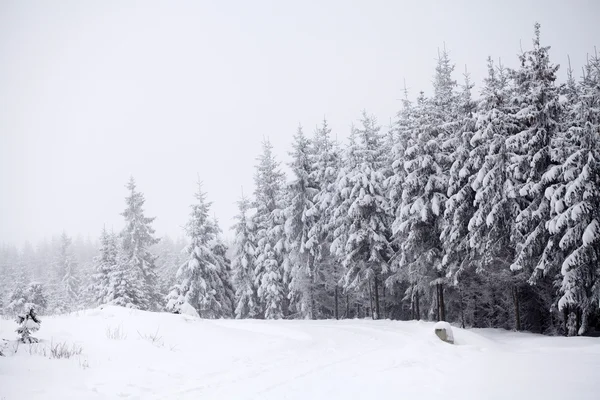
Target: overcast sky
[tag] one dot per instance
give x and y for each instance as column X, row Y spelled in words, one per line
column 92, row 92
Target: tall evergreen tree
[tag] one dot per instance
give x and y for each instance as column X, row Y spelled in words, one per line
column 243, row 263
column 269, row 222
column 137, row 237
column 366, row 250
column 299, row 220
column 493, row 236
column 201, row 287
column 105, row 263
column 327, row 271
column 575, row 207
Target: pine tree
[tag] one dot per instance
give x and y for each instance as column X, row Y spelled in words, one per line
column 537, row 112
column 29, row 323
column 325, row 160
column 299, row 220
column 243, row 263
column 36, row 295
column 575, row 207
column 105, row 263
column 366, row 249
column 18, row 296
column 536, row 98
column 127, row 287
column 201, row 285
column 225, row 289
column 419, row 222
column 269, row 220
column 493, row 234
column 459, row 207
column 137, row 237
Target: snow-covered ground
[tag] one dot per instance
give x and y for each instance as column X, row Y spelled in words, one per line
column 165, row 356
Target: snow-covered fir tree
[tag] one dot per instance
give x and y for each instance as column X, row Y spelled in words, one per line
column 537, row 113
column 575, row 207
column 136, row 239
column 243, row 263
column 459, row 207
column 29, row 323
column 200, row 288
column 18, row 295
column 105, row 263
column 299, row 220
column 269, row 222
column 36, row 295
column 492, row 232
column 325, row 160
column 366, row 251
column 225, row 290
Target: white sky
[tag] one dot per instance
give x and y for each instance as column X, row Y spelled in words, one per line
column 94, row 91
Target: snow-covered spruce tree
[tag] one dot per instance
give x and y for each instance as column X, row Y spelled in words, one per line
column 459, row 207
column 126, row 285
column 536, row 102
column 170, row 257
column 537, row 113
column 137, row 237
column 8, row 273
column 105, row 263
column 226, row 291
column 366, row 251
column 300, row 262
column 419, row 219
column 35, row 295
column 200, row 287
column 325, row 158
column 65, row 284
column 493, row 235
column 18, row 295
column 405, row 265
column 243, row 263
column 70, row 280
column 575, row 206
column 269, row 224
column 28, row 323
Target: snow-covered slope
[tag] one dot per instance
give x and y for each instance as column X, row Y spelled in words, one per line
column 165, row 356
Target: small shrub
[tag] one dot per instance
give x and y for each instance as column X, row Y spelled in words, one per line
column 116, row 333
column 63, row 350
column 154, row 338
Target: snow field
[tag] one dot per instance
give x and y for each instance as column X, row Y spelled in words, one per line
column 130, row 354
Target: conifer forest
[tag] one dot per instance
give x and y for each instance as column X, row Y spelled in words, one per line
column 478, row 205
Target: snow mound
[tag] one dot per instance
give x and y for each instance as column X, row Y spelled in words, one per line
column 444, row 331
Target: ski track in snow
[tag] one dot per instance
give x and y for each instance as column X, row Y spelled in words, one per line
column 251, row 359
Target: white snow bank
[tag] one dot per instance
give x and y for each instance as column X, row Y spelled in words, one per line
column 167, row 356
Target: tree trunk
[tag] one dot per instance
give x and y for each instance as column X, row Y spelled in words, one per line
column 441, row 305
column 462, row 308
column 517, row 311
column 384, row 301
column 418, row 308
column 371, row 300
column 437, row 301
column 347, row 305
column 337, row 315
column 376, row 286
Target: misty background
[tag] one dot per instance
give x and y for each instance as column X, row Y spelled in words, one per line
column 93, row 92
